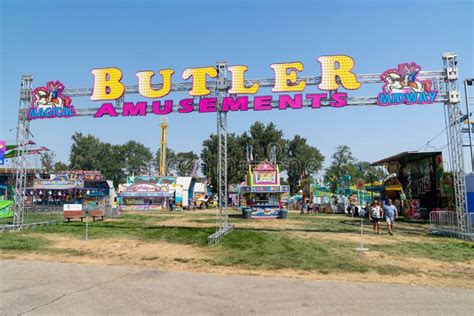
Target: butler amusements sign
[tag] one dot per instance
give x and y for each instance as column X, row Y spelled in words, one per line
column 401, row 86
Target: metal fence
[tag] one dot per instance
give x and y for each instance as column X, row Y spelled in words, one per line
column 35, row 215
column 445, row 223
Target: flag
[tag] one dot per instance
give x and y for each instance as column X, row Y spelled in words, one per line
column 2, row 152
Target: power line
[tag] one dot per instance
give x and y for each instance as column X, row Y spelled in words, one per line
column 432, row 139
column 462, row 119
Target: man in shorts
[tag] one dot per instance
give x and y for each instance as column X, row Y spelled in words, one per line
column 390, row 213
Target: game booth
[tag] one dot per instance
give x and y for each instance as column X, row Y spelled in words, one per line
column 321, row 197
column 146, row 193
column 261, row 195
column 417, row 183
column 68, row 187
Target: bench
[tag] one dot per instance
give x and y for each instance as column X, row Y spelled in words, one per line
column 73, row 214
column 97, row 213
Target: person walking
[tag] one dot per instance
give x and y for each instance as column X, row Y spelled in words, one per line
column 303, row 207
column 310, row 207
column 375, row 215
column 334, row 204
column 390, row 214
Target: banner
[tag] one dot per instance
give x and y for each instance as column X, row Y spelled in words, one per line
column 401, row 85
column 2, row 152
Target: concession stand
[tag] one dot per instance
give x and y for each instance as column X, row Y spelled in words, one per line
column 261, row 195
column 145, row 193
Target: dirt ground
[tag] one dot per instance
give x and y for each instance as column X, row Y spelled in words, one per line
column 175, row 257
column 178, row 257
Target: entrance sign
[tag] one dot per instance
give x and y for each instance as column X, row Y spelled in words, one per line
column 401, row 86
column 232, row 92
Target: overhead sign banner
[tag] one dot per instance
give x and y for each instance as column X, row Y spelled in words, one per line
column 3, row 147
column 401, row 86
column 48, row 102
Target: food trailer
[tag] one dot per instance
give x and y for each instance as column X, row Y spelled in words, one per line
column 261, row 195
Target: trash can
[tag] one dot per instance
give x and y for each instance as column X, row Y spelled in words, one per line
column 283, row 214
column 247, row 213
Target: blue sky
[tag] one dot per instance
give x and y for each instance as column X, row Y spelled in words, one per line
column 54, row 40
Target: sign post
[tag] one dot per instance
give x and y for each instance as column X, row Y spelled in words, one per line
column 361, row 248
column 86, row 236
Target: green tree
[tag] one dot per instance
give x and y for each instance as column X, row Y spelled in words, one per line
column 185, row 162
column 137, row 157
column 60, row 166
column 262, row 137
column 297, row 155
column 304, row 161
column 343, row 164
column 364, row 170
column 85, row 152
column 89, row 153
column 111, row 163
column 47, row 161
column 49, row 165
column 236, row 163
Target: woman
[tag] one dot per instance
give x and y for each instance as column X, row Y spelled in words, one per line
column 375, row 215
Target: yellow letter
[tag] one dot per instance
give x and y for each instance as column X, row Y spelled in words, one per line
column 238, row 86
column 199, row 79
column 282, row 77
column 343, row 71
column 144, row 83
column 107, row 85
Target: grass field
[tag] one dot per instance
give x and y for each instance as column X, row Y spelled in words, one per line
column 316, row 246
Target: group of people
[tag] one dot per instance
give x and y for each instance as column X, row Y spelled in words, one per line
column 309, row 207
column 193, row 205
column 388, row 212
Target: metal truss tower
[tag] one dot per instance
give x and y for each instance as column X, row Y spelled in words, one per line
column 455, row 141
column 221, row 89
column 21, row 160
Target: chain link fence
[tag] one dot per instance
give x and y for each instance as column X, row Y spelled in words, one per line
column 445, row 223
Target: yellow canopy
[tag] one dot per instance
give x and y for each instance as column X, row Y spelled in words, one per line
column 393, row 187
